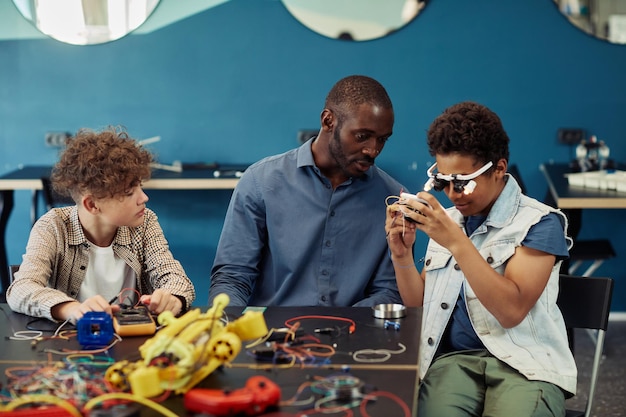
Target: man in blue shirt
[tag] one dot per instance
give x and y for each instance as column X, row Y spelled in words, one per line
column 302, row 228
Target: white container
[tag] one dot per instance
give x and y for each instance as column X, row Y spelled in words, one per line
column 601, row 180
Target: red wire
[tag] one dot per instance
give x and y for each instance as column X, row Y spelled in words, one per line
column 394, row 397
column 352, row 327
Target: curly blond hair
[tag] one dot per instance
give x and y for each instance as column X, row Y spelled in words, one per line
column 105, row 164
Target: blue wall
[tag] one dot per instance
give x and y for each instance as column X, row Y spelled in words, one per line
column 236, row 82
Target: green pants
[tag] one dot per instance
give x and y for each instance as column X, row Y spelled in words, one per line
column 474, row 383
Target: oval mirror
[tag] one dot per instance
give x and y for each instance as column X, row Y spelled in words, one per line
column 604, row 19
column 355, row 20
column 86, row 22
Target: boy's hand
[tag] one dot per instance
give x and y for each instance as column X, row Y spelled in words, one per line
column 161, row 300
column 74, row 310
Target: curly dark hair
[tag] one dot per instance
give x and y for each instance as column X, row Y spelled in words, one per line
column 354, row 90
column 469, row 129
column 105, row 164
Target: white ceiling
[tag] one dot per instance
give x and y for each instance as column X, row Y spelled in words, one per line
column 14, row 26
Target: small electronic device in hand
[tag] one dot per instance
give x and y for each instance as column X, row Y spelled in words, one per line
column 404, row 197
column 134, row 321
column 413, row 197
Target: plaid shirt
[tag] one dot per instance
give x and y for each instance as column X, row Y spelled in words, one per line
column 56, row 259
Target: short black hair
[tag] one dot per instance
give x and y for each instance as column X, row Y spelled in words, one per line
column 471, row 129
column 354, row 90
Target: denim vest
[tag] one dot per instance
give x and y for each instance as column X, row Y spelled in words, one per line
column 538, row 346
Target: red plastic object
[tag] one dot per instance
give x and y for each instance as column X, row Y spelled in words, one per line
column 259, row 394
column 52, row 411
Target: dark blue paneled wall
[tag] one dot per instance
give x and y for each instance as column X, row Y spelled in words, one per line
column 236, row 83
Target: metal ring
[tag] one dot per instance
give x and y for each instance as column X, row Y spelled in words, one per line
column 389, row 311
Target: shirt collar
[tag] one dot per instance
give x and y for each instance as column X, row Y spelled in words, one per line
column 76, row 236
column 506, row 204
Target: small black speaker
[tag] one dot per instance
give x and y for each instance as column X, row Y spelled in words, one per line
column 571, row 136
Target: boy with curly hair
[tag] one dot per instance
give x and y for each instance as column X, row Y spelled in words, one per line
column 80, row 257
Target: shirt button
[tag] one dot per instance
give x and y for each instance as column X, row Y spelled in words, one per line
column 323, row 298
column 82, row 267
column 325, row 272
column 457, row 267
column 431, row 341
column 489, row 260
column 444, row 306
column 332, row 213
column 427, row 262
column 327, row 243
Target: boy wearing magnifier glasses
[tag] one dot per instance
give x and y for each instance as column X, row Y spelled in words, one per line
column 493, row 339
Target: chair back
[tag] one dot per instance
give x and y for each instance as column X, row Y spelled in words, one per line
column 585, row 301
column 51, row 197
column 3, row 294
column 12, row 270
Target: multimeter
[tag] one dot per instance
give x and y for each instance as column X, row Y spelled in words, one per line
column 134, row 321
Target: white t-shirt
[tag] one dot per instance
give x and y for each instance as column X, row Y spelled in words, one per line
column 106, row 274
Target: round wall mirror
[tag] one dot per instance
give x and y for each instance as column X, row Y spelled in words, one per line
column 604, row 19
column 86, row 22
column 354, row 20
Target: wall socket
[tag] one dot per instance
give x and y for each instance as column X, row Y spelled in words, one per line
column 56, row 139
column 571, row 136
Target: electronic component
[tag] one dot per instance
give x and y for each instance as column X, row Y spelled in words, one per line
column 412, row 197
column 280, row 335
column 271, row 355
column 258, row 395
column 389, row 323
column 135, row 321
column 339, row 388
column 94, row 328
column 404, row 198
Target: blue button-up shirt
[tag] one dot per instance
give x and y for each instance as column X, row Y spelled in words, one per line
column 289, row 239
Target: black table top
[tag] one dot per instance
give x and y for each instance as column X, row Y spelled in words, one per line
column 395, row 376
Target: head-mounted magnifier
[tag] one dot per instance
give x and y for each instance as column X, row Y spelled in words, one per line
column 463, row 183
